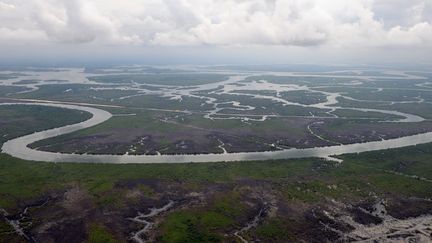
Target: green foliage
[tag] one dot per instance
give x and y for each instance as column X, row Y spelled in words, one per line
column 194, row 226
column 356, row 176
column 99, row 234
column 162, row 79
column 21, row 120
column 229, row 205
column 25, row 179
column 273, row 230
column 146, row 190
column 5, row 228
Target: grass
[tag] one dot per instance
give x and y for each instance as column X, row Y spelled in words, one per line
column 7, row 90
column 5, row 228
column 202, row 224
column 307, row 180
column 229, row 205
column 164, row 136
column 273, row 230
column 360, row 114
column 162, row 79
column 146, row 190
column 191, row 227
column 368, row 171
column 98, row 234
column 24, row 179
column 14, row 124
column 420, row 109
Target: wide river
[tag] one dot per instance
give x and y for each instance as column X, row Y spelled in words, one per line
column 18, row 147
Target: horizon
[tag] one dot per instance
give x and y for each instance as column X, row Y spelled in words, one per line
column 195, row 121
column 57, row 32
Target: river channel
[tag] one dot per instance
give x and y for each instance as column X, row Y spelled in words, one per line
column 18, row 147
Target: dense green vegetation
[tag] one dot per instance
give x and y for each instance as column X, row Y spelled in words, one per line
column 195, row 226
column 109, row 189
column 20, row 120
column 162, row 79
column 420, row 109
column 367, row 171
column 7, row 90
column 99, row 234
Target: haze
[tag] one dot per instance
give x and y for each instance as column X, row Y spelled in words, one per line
column 213, row 31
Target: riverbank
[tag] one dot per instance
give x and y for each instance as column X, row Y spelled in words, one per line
column 215, row 200
column 18, row 147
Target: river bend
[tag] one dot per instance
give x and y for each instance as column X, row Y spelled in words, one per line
column 18, row 147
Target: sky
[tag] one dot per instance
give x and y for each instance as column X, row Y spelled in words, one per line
column 215, row 31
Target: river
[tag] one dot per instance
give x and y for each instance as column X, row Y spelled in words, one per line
column 18, row 147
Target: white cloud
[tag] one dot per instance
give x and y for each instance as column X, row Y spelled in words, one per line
column 337, row 23
column 417, row 34
column 21, row 34
column 6, row 6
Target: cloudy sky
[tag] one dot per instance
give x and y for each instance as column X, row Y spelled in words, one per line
column 216, row 31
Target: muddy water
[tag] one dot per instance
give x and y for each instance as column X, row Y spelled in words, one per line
column 254, row 223
column 18, row 147
column 144, row 220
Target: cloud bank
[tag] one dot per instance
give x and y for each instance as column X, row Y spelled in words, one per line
column 334, row 23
